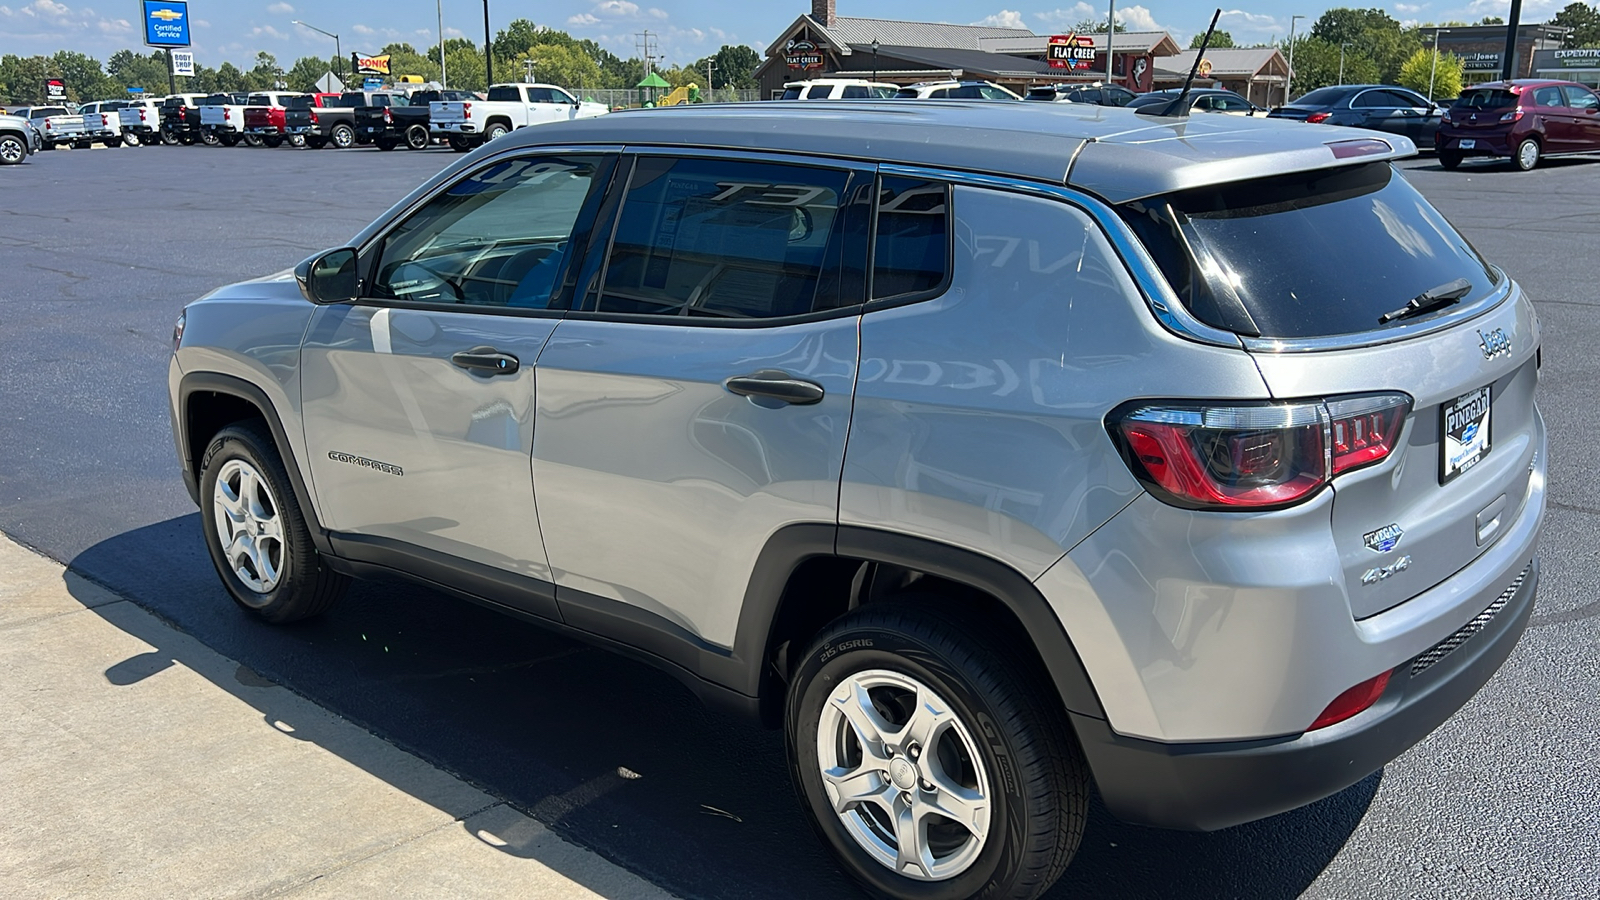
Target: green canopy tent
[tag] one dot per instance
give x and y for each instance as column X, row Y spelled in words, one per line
column 650, row 85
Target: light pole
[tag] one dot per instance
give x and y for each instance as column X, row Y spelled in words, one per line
column 337, row 50
column 1289, row 84
column 444, row 79
column 1434, row 65
column 874, row 59
column 1342, row 45
column 488, row 49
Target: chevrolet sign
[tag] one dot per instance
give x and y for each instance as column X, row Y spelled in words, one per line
column 166, row 23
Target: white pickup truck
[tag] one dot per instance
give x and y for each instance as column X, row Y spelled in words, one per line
column 468, row 123
column 102, row 122
column 140, row 121
column 56, row 126
column 222, row 118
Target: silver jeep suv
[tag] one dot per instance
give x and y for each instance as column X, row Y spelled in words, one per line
column 990, row 450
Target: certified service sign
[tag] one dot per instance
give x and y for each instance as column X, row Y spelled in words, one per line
column 166, row 23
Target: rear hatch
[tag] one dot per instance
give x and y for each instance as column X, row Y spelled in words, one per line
column 1483, row 109
column 1303, row 267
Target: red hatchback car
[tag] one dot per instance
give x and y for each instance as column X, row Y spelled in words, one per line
column 1525, row 120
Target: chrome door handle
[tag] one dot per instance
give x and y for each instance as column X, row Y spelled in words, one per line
column 487, row 361
column 775, row 384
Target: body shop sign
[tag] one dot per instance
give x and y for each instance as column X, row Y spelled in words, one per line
column 802, row 55
column 1070, row 51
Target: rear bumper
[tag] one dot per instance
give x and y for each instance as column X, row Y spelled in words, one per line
column 1495, row 143
column 1205, row 787
column 455, row 128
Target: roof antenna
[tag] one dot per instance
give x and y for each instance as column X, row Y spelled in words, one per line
column 1178, row 107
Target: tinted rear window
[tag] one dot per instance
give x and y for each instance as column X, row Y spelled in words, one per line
column 505, row 95
column 791, row 93
column 1305, row 255
column 1486, row 98
column 911, row 247
column 297, row 103
column 1323, row 97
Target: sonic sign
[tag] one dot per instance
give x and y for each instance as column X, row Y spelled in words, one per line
column 166, row 23
column 1070, row 51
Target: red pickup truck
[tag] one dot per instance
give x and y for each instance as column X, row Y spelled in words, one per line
column 264, row 117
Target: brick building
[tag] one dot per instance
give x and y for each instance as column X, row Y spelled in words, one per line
column 1482, row 47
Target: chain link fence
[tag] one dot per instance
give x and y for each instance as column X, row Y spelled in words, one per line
column 636, row 97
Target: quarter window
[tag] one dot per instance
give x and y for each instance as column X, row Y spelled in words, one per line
column 734, row 240
column 819, row 92
column 1581, row 98
column 495, row 238
column 1548, row 96
column 911, row 249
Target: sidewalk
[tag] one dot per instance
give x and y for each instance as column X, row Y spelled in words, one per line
column 135, row 762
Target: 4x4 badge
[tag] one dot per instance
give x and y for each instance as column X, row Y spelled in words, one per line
column 1495, row 343
column 1384, row 539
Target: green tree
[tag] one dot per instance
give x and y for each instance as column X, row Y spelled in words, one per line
column 732, row 66
column 127, row 69
column 1096, row 26
column 24, row 77
column 405, row 60
column 1372, row 33
column 562, row 64
column 1445, row 79
column 1220, row 40
column 465, row 65
column 1489, row 20
column 1316, row 64
column 85, row 80
column 308, row 70
column 1584, row 20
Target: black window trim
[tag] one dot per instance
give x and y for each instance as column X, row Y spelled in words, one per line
column 853, row 167
column 943, row 287
column 368, row 256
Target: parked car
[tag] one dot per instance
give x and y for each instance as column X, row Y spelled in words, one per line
column 1168, row 479
column 954, row 90
column 1524, row 120
column 57, row 127
column 404, row 119
column 1093, row 94
column 1207, row 100
column 314, row 122
column 468, row 123
column 838, row 89
column 1379, row 107
column 140, row 121
column 222, row 118
column 18, row 140
column 180, row 119
column 334, row 124
column 101, row 121
column 265, row 117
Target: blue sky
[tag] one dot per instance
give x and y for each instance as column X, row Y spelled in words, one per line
column 687, row 29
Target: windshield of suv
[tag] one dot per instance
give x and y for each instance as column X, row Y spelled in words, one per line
column 1309, row 254
column 1485, row 98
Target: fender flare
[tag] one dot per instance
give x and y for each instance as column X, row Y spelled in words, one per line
column 216, row 383
column 793, row 545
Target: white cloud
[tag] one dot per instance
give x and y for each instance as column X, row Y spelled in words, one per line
column 267, row 31
column 1408, row 7
column 1060, row 19
column 115, row 26
column 363, row 29
column 657, row 13
column 1005, row 18
column 1532, row 10
column 582, row 19
column 281, row 9
column 617, row 9
column 1138, row 18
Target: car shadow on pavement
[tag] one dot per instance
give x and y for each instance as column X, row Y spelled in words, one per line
column 611, row 754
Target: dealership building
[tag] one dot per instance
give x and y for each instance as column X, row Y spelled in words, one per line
column 1482, row 47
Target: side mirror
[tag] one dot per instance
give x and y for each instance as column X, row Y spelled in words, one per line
column 330, row 277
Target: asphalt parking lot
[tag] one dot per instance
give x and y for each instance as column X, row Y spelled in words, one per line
column 99, row 252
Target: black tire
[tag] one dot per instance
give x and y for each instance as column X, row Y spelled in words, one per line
column 493, row 131
column 170, row 137
column 343, row 137
column 229, row 140
column 1039, row 791
column 112, row 144
column 1527, row 155
column 306, row 587
column 251, row 140
column 316, row 143
column 297, row 140
column 83, row 145
column 417, row 138
column 1450, row 159
column 461, row 144
column 386, row 143
column 210, row 139
column 131, row 139
column 273, row 141
column 13, row 150
column 188, row 140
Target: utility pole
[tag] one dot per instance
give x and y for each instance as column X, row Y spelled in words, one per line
column 1287, row 85
column 1111, row 36
column 1434, row 66
column 444, row 79
column 1342, row 45
column 710, row 85
column 645, row 48
column 527, row 68
column 488, row 48
column 172, row 80
column 1508, row 60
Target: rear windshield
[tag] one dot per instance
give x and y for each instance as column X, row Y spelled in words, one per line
column 1305, row 255
column 791, row 93
column 351, row 101
column 217, row 100
column 1322, row 97
column 297, row 103
column 1486, row 98
column 505, row 94
column 49, row 111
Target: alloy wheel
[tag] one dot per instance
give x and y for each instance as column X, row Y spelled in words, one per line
column 904, row 775
column 12, row 150
column 249, row 528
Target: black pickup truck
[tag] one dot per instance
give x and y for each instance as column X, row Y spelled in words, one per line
column 331, row 121
column 180, row 119
column 396, row 119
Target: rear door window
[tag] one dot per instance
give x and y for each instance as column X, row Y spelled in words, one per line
column 1310, row 254
column 1548, row 96
column 735, row 239
column 855, row 92
column 1581, row 98
column 819, row 92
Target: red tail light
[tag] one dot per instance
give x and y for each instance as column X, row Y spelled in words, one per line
column 142, row 116
column 183, row 113
column 1357, row 699
column 388, row 117
column 1314, row 118
column 46, row 124
column 1512, row 116
column 1254, row 456
column 313, row 117
column 226, row 114
column 466, row 110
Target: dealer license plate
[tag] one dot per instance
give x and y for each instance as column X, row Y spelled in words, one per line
column 1469, row 144
column 1464, row 425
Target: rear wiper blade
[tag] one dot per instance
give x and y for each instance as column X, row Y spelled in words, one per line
column 1447, row 294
